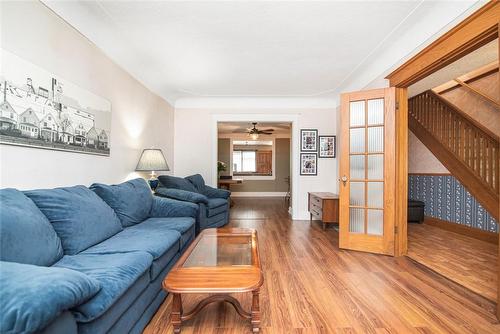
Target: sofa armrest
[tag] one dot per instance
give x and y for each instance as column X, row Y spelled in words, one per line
column 167, row 207
column 216, row 193
column 33, row 296
column 182, row 195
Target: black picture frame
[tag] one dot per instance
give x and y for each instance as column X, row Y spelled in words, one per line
column 303, row 156
column 304, row 145
column 320, row 151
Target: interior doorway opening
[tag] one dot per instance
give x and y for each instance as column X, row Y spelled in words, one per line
column 256, row 156
column 454, row 123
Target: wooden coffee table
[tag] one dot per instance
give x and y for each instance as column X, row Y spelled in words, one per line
column 219, row 262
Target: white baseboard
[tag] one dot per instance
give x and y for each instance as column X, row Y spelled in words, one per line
column 258, row 194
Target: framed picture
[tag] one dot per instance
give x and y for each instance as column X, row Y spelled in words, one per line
column 308, row 164
column 309, row 140
column 327, row 146
column 42, row 110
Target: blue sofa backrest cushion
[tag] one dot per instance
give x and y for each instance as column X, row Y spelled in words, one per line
column 80, row 217
column 131, row 200
column 26, row 235
column 32, row 296
column 176, row 183
column 197, row 181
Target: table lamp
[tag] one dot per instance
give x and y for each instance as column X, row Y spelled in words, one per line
column 152, row 160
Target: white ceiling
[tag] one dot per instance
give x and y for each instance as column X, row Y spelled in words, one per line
column 240, row 48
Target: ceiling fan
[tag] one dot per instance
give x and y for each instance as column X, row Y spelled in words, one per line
column 254, row 132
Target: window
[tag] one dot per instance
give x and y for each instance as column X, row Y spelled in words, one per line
column 244, row 161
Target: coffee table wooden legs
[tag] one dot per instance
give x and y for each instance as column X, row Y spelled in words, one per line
column 255, row 311
column 176, row 312
column 178, row 315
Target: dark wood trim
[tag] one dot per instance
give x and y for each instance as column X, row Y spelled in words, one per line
column 476, row 187
column 475, row 31
column 430, row 174
column 401, row 170
column 463, row 230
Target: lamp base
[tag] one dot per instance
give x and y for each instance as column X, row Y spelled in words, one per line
column 153, row 182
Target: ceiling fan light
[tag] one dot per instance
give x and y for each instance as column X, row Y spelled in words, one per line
column 254, row 136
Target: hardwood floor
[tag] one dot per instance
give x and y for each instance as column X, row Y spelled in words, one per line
column 467, row 261
column 311, row 286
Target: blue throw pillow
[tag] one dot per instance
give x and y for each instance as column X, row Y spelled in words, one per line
column 174, row 182
column 131, row 200
column 79, row 216
column 32, row 296
column 26, row 235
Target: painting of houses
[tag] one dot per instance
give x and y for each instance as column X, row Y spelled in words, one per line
column 39, row 109
column 29, row 123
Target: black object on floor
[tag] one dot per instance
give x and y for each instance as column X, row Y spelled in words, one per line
column 415, row 211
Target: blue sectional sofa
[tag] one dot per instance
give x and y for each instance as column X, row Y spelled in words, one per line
column 213, row 203
column 87, row 260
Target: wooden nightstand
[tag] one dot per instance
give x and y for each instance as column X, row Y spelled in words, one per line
column 324, row 206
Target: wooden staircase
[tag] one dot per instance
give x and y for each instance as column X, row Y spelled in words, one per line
column 468, row 150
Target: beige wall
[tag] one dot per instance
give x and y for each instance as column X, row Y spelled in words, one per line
column 140, row 119
column 224, row 153
column 421, row 160
column 282, row 168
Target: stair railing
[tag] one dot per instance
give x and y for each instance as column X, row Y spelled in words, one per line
column 477, row 149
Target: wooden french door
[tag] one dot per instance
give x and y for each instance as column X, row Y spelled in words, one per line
column 367, row 171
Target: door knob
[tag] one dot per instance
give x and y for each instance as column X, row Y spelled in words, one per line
column 344, row 179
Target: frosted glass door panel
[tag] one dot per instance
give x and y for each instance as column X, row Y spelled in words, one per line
column 357, row 113
column 375, row 222
column 357, row 140
column 376, row 112
column 357, row 167
column 376, row 139
column 357, row 194
column 356, row 220
column 376, row 167
column 375, row 196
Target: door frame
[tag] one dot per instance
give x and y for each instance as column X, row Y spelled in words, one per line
column 480, row 28
column 294, row 153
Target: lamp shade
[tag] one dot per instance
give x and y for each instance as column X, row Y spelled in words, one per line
column 152, row 160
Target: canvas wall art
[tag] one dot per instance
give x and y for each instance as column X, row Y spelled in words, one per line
column 39, row 109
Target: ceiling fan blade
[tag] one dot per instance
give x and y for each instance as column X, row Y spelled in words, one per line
column 265, row 133
column 268, row 130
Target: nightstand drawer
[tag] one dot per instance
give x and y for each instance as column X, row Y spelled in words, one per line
column 316, row 201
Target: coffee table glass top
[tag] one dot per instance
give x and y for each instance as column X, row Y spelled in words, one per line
column 221, row 250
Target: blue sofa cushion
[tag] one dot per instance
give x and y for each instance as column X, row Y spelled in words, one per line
column 168, row 207
column 174, row 182
column 182, row 195
column 79, row 216
column 146, row 237
column 26, row 235
column 32, row 296
column 214, row 192
column 131, row 200
column 180, row 225
column 116, row 273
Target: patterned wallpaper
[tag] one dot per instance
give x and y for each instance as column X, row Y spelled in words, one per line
column 447, row 199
